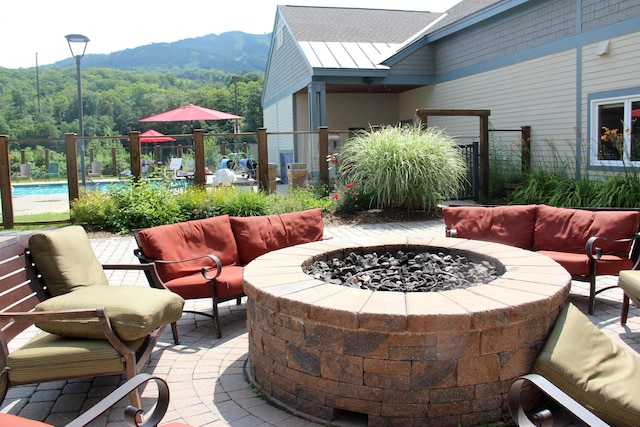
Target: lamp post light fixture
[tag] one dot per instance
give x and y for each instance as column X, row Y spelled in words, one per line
column 80, row 42
column 235, row 79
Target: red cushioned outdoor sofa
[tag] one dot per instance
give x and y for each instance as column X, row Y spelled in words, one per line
column 206, row 258
column 587, row 243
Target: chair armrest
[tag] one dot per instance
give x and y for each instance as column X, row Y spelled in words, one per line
column 131, row 413
column 85, row 313
column 205, row 270
column 34, row 316
column 595, row 253
column 148, row 268
column 544, row 418
column 218, row 264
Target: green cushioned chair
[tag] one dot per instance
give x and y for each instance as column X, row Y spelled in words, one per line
column 629, row 281
column 88, row 327
column 587, row 375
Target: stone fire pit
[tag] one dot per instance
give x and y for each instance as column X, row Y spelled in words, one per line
column 432, row 358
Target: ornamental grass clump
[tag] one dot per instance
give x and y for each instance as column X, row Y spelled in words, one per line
column 397, row 167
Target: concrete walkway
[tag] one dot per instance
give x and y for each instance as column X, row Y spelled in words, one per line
column 206, row 375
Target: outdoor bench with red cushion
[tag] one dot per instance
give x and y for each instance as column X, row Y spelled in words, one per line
column 206, row 258
column 587, row 243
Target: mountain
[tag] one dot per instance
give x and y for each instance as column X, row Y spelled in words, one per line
column 231, row 52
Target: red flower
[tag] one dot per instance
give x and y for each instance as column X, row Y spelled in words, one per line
column 335, row 196
column 350, row 185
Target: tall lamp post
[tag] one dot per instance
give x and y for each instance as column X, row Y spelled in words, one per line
column 80, row 42
column 235, row 79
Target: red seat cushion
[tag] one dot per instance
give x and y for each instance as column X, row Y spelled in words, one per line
column 258, row 235
column 578, row 264
column 229, row 282
column 193, row 286
column 510, row 225
column 187, row 240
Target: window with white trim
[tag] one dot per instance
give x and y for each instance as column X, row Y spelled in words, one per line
column 615, row 131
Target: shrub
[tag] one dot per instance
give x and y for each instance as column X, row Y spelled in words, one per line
column 94, row 209
column 401, row 167
column 299, row 199
column 243, row 203
column 148, row 204
column 195, row 203
column 538, row 187
column 504, row 167
column 350, row 199
column 143, row 204
column 619, row 191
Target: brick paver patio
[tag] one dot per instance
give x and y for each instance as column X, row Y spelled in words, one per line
column 206, row 375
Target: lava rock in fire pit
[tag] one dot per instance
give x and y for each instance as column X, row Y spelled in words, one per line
column 404, row 271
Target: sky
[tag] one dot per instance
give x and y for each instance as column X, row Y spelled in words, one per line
column 34, row 30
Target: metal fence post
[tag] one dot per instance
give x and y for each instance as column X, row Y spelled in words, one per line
column 72, row 166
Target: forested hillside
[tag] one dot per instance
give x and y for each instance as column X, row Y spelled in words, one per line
column 123, row 87
column 232, row 52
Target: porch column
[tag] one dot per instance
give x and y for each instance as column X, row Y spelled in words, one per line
column 317, row 98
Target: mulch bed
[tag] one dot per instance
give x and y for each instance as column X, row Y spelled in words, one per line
column 377, row 216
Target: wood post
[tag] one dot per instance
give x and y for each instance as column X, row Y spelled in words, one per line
column 5, row 183
column 114, row 161
column 136, row 156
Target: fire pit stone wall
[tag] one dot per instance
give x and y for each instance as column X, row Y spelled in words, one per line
column 429, row 359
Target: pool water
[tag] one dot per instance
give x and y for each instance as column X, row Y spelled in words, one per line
column 62, row 188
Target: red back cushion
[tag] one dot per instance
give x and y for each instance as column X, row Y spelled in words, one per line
column 258, row 235
column 187, row 240
column 510, row 225
column 567, row 230
column 304, row 226
column 615, row 225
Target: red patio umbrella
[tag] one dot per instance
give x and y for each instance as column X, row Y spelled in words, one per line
column 635, row 113
column 155, row 136
column 189, row 113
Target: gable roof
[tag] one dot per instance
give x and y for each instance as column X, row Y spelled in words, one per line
column 343, row 24
column 461, row 11
column 352, row 38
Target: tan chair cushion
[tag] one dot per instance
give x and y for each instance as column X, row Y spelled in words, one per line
column 66, row 259
column 629, row 281
column 584, row 363
column 48, row 357
column 134, row 311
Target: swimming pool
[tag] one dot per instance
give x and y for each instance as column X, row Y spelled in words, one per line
column 62, row 187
